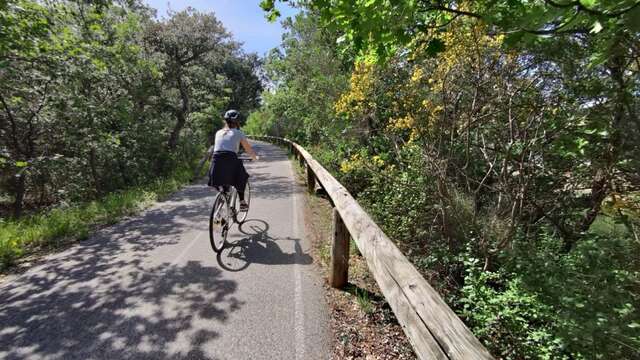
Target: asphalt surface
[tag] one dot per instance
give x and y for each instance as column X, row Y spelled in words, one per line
column 150, row 287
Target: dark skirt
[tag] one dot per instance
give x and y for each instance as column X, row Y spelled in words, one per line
column 227, row 169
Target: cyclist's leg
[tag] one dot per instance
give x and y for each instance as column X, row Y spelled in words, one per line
column 241, row 186
column 243, row 204
column 242, row 178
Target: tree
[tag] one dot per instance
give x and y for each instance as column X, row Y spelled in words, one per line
column 242, row 80
column 495, row 142
column 32, row 59
column 380, row 28
column 308, row 77
column 94, row 96
column 188, row 39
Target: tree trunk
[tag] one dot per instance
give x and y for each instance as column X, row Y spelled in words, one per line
column 619, row 128
column 18, row 190
column 181, row 114
column 94, row 171
column 601, row 183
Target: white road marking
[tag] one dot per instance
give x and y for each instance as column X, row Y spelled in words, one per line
column 186, row 249
column 298, row 303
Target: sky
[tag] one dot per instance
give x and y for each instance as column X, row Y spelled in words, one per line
column 244, row 18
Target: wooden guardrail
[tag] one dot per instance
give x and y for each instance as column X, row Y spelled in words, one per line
column 433, row 329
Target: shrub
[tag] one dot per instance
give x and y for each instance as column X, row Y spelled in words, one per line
column 19, row 237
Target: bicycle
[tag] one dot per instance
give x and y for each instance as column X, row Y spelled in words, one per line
column 226, row 207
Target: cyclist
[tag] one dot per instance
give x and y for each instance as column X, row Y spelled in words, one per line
column 226, row 168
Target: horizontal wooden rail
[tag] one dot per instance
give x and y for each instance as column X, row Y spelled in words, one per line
column 433, row 329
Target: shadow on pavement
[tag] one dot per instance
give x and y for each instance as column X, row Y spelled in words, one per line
column 106, row 298
column 269, row 153
column 257, row 247
column 267, row 186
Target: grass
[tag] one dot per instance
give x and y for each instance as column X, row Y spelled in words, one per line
column 21, row 237
column 363, row 300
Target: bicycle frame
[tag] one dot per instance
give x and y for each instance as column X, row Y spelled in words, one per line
column 230, row 195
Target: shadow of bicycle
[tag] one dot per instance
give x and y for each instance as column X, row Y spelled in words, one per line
column 257, row 247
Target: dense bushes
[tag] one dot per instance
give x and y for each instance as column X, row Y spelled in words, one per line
column 64, row 223
column 97, row 98
column 505, row 171
column 100, row 97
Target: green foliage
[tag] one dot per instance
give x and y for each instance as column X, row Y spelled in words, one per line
column 377, row 29
column 591, row 291
column 101, row 105
column 503, row 163
column 97, row 97
column 258, row 123
column 498, row 307
column 364, row 302
column 309, row 78
column 552, row 306
column 18, row 237
column 401, row 199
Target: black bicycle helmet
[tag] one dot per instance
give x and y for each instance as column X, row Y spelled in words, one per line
column 232, row 115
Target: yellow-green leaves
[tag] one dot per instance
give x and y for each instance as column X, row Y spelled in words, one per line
column 378, row 29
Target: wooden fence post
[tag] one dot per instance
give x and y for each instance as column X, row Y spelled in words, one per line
column 311, row 180
column 301, row 160
column 339, row 252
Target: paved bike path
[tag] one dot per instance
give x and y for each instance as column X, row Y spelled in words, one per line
column 151, row 288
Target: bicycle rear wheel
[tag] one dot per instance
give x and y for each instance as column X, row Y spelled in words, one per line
column 242, row 215
column 219, row 223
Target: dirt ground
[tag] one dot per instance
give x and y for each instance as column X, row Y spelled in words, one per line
column 362, row 323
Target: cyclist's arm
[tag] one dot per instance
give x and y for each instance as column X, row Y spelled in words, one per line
column 247, row 147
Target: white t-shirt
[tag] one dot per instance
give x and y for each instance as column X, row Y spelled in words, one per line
column 228, row 140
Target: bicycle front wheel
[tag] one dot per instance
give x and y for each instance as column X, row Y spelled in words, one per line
column 242, row 215
column 219, row 223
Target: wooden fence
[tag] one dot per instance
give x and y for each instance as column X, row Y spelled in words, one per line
column 433, row 329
